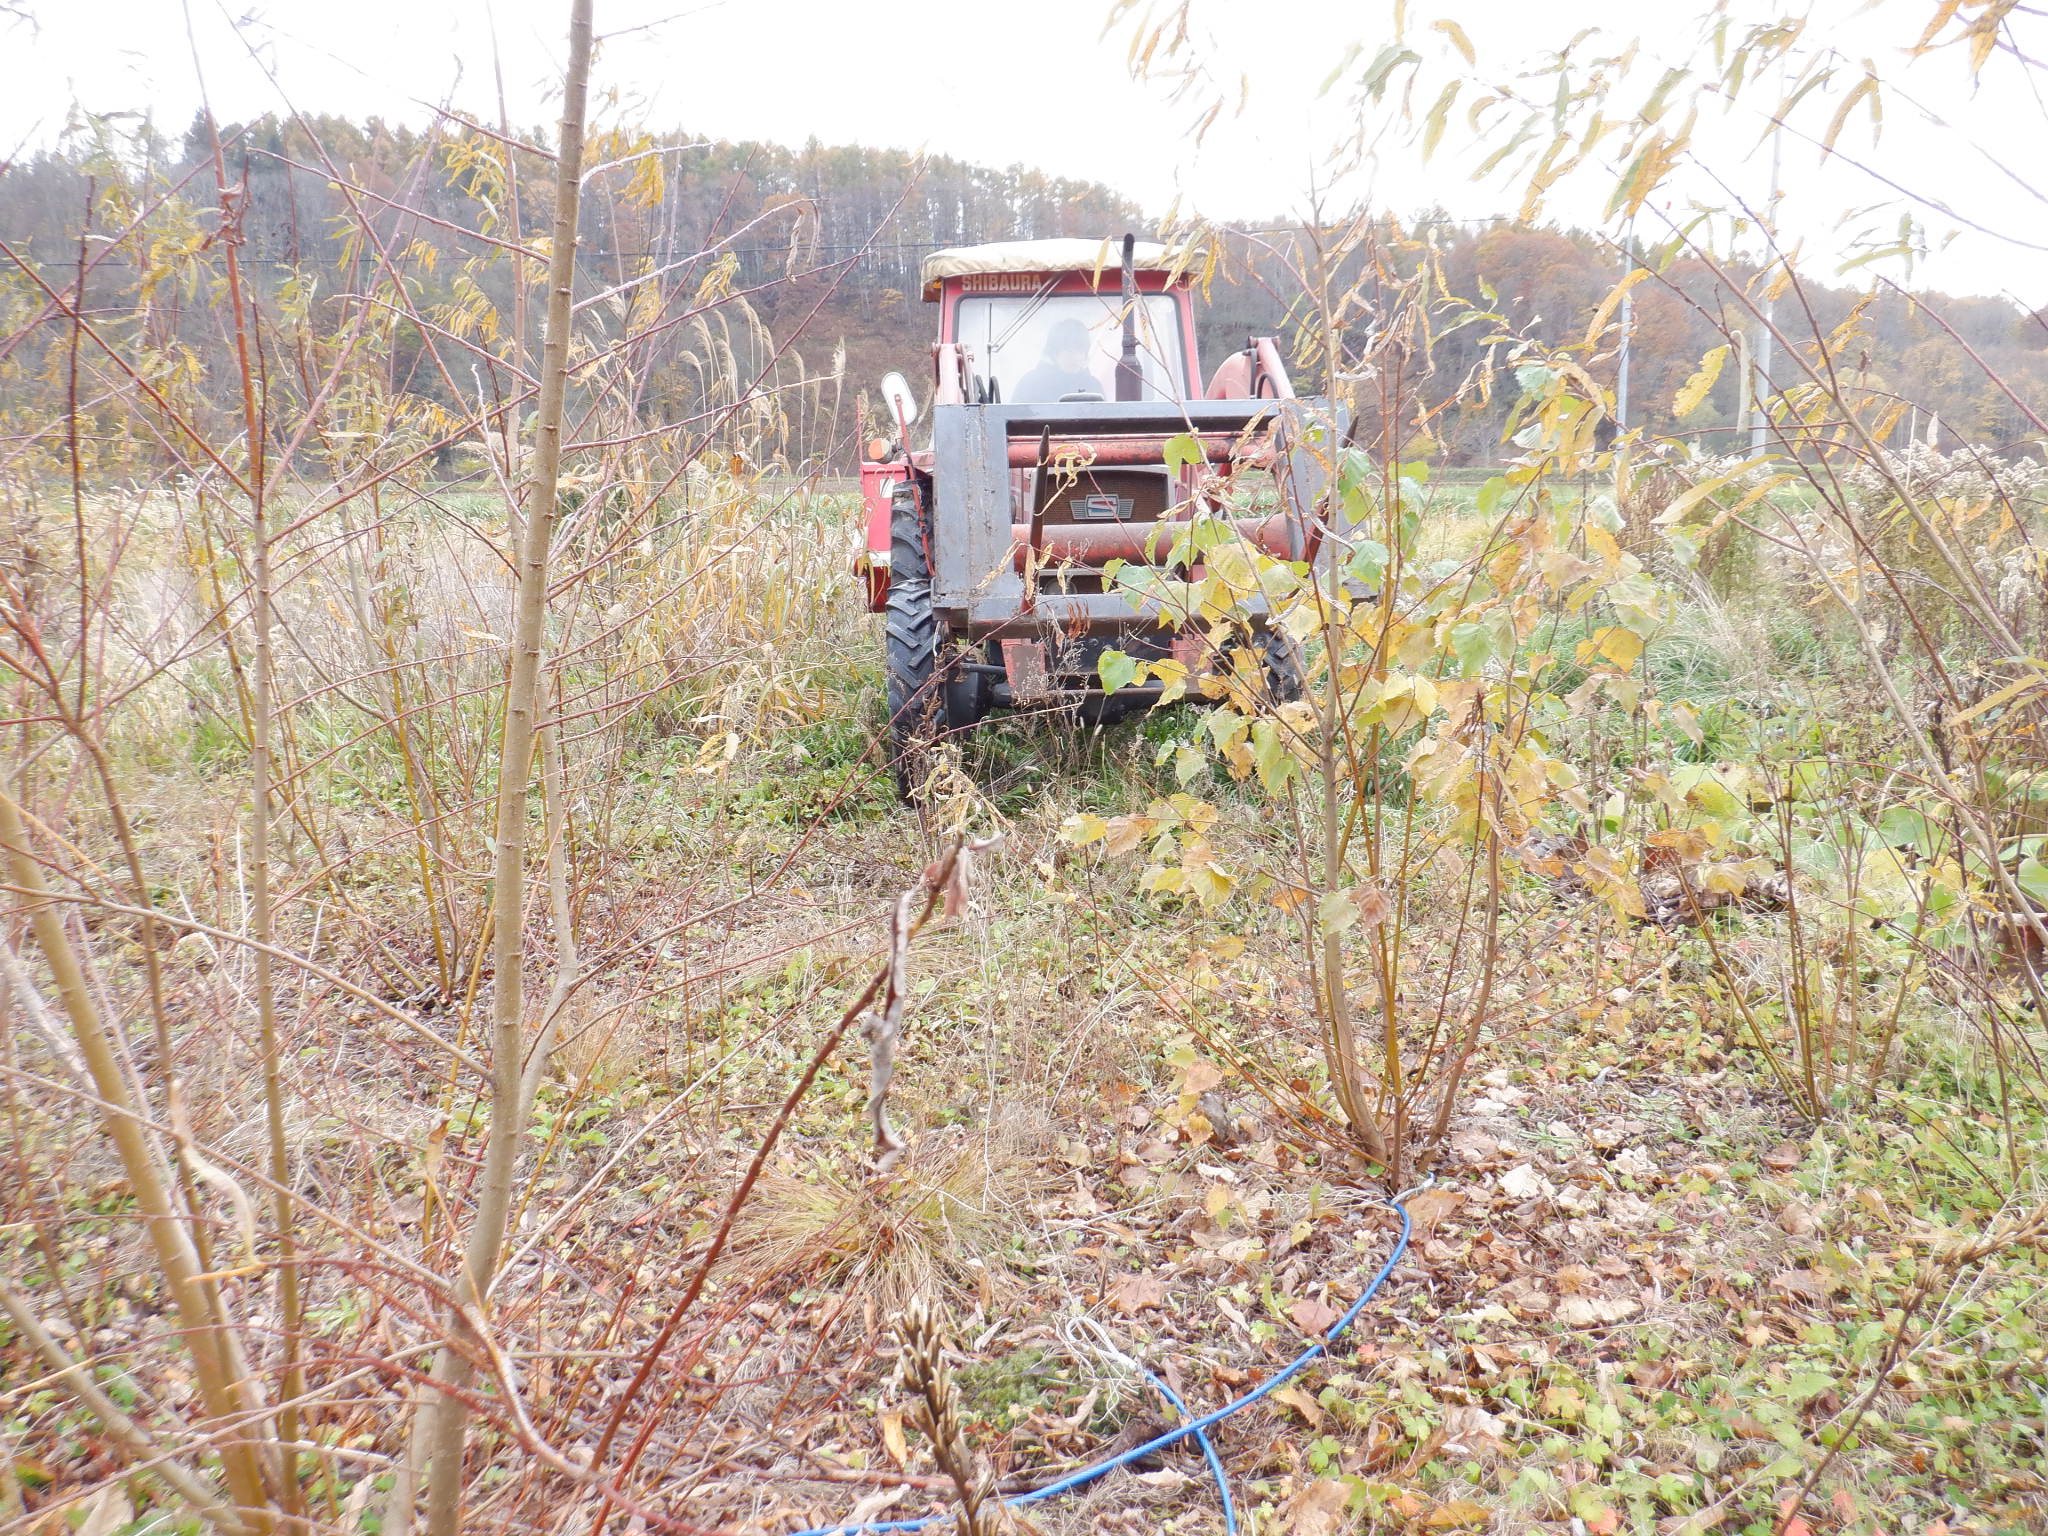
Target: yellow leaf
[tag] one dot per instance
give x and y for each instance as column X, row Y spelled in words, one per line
column 1694, row 495
column 1289, row 898
column 1210, row 883
column 1620, row 646
column 1407, row 701
column 892, row 1438
column 1458, row 39
column 1602, row 543
column 1162, row 880
column 2004, row 695
column 1434, row 122
column 1867, row 86
column 1173, row 674
column 1688, row 844
column 1459, row 1512
column 1083, row 829
column 1696, row 388
column 1728, row 877
column 1608, row 874
column 1607, row 305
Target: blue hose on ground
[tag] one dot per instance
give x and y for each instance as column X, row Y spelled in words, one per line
column 1208, row 1452
column 1188, row 1427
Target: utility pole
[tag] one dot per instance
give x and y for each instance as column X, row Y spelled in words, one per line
column 1760, row 353
column 1745, row 393
column 1628, row 325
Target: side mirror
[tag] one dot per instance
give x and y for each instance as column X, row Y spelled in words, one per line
column 902, row 403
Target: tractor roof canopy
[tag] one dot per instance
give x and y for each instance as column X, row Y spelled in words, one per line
column 1075, row 255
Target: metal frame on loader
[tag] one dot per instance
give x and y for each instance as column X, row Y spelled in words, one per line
column 986, row 550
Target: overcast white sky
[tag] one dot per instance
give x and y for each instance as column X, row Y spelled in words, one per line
column 1033, row 82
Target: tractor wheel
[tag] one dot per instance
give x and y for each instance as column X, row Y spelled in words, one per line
column 966, row 696
column 916, row 689
column 1280, row 663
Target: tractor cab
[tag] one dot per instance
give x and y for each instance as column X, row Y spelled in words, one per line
column 1041, row 321
column 1062, row 371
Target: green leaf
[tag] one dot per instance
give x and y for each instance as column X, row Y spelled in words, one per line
column 1337, row 911
column 1808, row 1384
column 1478, row 641
column 1225, row 727
column 1368, row 562
column 1635, row 601
column 1116, row 670
column 2033, row 878
column 1269, row 751
column 1490, row 495
column 1389, row 59
column 1183, row 452
column 1901, row 826
column 1437, row 118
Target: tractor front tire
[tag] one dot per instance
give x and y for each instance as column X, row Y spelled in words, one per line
column 916, row 690
column 1280, row 662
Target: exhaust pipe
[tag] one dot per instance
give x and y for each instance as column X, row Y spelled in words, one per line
column 1130, row 380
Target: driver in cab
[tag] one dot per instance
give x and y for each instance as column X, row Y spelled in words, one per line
column 1063, row 370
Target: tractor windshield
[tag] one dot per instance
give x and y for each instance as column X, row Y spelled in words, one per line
column 1042, row 348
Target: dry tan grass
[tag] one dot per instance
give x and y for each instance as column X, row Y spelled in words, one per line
column 928, row 1225
column 600, row 1042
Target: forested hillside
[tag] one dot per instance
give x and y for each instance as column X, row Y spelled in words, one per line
column 818, row 250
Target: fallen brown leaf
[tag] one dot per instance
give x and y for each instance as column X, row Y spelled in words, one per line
column 1786, row 1155
column 1301, row 1403
column 1801, row 1284
column 1472, row 1429
column 1432, row 1206
column 1797, row 1220
column 1203, row 1074
column 1134, row 1293
column 1586, row 1311
column 1523, row 1182
column 1313, row 1317
column 1318, row 1510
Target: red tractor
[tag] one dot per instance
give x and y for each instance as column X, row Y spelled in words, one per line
column 1064, row 373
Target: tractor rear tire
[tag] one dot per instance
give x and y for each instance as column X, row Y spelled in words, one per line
column 916, row 690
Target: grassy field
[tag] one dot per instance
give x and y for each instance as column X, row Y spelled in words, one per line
column 1657, row 1286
